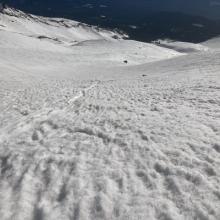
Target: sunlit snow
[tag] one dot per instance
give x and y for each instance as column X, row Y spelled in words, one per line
column 94, row 126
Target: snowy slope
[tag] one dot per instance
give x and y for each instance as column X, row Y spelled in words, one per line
column 43, row 34
column 54, row 28
column 84, row 135
column 213, row 43
column 182, row 47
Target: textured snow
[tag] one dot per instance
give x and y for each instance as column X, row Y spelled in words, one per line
column 85, row 135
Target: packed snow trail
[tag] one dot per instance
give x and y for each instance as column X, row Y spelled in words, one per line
column 97, row 141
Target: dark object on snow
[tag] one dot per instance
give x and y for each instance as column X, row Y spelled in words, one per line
column 125, row 61
column 144, row 75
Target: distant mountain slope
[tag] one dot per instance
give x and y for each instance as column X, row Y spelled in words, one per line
column 27, row 24
column 32, row 40
column 136, row 18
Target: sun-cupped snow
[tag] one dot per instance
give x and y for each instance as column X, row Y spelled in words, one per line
column 93, row 127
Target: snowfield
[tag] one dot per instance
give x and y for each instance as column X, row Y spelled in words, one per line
column 93, row 126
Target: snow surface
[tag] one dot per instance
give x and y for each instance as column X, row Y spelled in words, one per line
column 213, row 43
column 85, row 135
column 182, row 47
